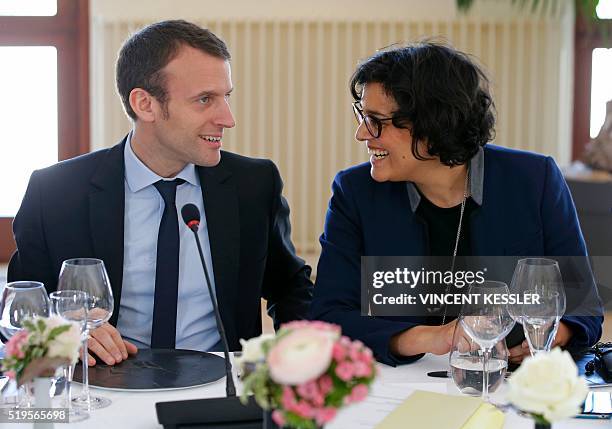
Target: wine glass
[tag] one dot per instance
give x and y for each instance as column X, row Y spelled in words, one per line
column 20, row 301
column 466, row 363
column 89, row 275
column 541, row 279
column 71, row 305
column 485, row 318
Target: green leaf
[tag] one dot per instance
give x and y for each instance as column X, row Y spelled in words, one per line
column 41, row 325
column 587, row 7
column 464, row 5
column 58, row 330
column 29, row 325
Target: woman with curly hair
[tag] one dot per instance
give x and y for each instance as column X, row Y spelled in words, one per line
column 434, row 186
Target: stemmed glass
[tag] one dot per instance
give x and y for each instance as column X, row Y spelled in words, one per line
column 465, row 359
column 89, row 275
column 541, row 278
column 20, row 301
column 71, row 305
column 486, row 321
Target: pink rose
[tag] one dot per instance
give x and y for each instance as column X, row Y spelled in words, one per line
column 278, row 418
column 303, row 409
column 359, row 393
column 288, row 398
column 318, row 400
column 308, row 390
column 345, row 341
column 315, row 324
column 339, row 352
column 355, row 350
column 325, row 415
column 300, row 356
column 362, row 369
column 14, row 346
column 325, row 384
column 345, row 371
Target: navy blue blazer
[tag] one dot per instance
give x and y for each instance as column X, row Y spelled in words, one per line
column 76, row 209
column 526, row 210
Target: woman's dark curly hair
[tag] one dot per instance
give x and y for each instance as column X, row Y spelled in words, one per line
column 442, row 96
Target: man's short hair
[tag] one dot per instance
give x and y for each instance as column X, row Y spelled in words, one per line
column 144, row 55
column 442, row 96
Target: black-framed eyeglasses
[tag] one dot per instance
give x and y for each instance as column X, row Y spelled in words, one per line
column 373, row 124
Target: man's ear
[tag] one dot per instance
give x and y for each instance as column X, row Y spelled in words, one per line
column 142, row 104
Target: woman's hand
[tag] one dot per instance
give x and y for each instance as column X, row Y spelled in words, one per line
column 520, row 352
column 425, row 339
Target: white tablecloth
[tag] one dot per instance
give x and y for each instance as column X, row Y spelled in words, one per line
column 136, row 410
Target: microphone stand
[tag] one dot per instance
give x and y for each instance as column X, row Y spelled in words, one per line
column 230, row 389
column 218, row 412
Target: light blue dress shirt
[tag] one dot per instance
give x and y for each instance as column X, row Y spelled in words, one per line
column 196, row 328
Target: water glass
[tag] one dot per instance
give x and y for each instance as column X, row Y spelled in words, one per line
column 89, row 275
column 71, row 305
column 541, row 278
column 20, row 301
column 466, row 363
column 486, row 322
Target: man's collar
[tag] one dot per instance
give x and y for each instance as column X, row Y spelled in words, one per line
column 476, row 182
column 139, row 176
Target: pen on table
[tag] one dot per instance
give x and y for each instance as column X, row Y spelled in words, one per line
column 439, row 374
column 447, row 374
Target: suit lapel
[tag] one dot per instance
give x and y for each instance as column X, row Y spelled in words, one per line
column 223, row 222
column 106, row 217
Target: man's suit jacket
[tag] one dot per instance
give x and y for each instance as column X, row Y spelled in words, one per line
column 76, row 209
column 526, row 210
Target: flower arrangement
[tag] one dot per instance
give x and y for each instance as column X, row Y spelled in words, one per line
column 306, row 373
column 548, row 387
column 40, row 347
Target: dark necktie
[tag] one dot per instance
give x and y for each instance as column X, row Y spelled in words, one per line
column 163, row 334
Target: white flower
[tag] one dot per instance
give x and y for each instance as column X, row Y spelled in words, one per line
column 67, row 344
column 548, row 384
column 300, row 356
column 252, row 350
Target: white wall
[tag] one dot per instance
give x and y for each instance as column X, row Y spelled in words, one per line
column 149, row 10
column 272, row 9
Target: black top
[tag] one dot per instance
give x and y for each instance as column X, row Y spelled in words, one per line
column 442, row 226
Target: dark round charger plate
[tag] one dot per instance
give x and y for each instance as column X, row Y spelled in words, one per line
column 156, row 369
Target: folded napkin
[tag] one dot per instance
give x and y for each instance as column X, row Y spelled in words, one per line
column 429, row 410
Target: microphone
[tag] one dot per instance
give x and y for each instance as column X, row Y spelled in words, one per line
column 191, row 217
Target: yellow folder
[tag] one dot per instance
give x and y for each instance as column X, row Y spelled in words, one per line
column 429, row 410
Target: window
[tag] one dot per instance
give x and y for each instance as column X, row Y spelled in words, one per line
column 28, row 83
column 604, row 9
column 601, row 87
column 592, row 65
column 44, row 82
column 28, row 7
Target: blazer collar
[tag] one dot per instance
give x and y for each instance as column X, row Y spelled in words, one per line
column 223, row 220
column 106, row 212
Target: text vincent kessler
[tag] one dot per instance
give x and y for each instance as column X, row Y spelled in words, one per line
column 457, row 298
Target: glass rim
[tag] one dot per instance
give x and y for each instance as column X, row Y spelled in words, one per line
column 83, row 262
column 489, row 283
column 59, row 293
column 25, row 284
column 543, row 262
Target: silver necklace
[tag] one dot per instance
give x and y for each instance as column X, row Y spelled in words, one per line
column 465, row 195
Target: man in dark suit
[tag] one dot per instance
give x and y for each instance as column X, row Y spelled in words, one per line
column 122, row 205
